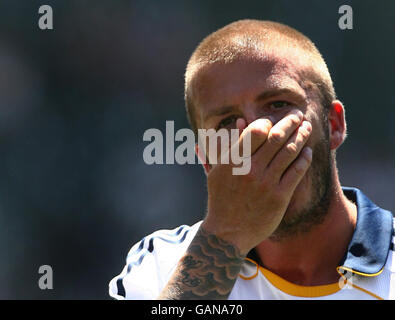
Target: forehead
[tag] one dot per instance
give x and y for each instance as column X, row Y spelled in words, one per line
column 240, row 80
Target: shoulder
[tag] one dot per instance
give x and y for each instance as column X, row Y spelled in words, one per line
column 386, row 279
column 390, row 264
column 150, row 263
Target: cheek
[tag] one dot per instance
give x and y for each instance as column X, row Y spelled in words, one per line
column 318, row 134
column 277, row 115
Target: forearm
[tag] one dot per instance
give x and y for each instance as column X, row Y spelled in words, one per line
column 208, row 270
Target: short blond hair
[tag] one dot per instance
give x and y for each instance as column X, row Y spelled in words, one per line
column 247, row 37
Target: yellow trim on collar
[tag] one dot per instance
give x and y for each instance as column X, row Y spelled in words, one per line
column 358, row 287
column 297, row 290
column 309, row 291
column 256, row 273
column 360, row 273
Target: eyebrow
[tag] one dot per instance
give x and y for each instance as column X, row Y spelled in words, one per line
column 276, row 92
column 219, row 112
column 261, row 97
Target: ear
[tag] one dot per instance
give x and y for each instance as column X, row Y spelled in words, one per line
column 337, row 125
column 203, row 159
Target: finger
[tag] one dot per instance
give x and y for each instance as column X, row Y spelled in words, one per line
column 278, row 136
column 254, row 136
column 296, row 171
column 225, row 148
column 241, row 124
column 289, row 151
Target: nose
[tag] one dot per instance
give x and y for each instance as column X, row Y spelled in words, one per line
column 252, row 115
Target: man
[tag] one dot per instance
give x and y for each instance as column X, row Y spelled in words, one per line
column 287, row 229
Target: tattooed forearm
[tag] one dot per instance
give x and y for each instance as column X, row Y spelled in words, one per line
column 208, row 270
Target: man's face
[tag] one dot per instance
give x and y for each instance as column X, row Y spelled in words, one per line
column 255, row 88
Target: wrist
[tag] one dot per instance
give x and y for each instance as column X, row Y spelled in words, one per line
column 229, row 235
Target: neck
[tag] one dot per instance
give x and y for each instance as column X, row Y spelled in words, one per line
column 311, row 258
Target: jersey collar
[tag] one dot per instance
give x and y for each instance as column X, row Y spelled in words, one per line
column 368, row 250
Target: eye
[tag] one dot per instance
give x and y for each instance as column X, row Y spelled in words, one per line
column 279, row 104
column 227, row 122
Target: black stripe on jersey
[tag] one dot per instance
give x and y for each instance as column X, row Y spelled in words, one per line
column 151, row 244
column 120, row 287
column 141, row 246
column 393, row 234
column 173, row 234
column 151, row 248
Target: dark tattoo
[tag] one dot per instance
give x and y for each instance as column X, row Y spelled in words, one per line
column 208, row 270
column 190, row 263
column 188, row 281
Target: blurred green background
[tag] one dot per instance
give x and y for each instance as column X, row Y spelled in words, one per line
column 75, row 101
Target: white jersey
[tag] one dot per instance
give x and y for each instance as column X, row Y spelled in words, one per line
column 367, row 270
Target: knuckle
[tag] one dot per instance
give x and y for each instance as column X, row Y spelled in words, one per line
column 259, row 132
column 299, row 170
column 291, row 148
column 294, row 120
column 304, row 133
column 276, row 137
column 300, row 166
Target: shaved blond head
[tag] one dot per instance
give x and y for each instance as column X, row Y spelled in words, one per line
column 257, row 40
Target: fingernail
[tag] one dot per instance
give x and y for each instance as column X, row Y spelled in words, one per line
column 306, row 125
column 299, row 114
column 271, row 119
column 308, row 153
